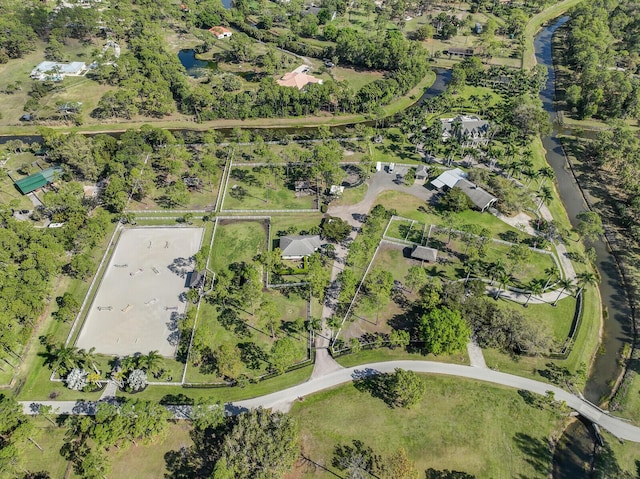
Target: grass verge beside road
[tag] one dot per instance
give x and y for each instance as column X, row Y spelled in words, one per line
column 495, row 432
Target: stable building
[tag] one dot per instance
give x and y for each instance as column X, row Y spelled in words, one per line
column 457, row 178
column 422, row 253
column 297, row 247
column 38, row 180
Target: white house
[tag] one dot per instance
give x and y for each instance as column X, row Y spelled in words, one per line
column 57, row 71
column 221, row 32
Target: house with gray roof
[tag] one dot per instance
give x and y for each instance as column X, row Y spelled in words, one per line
column 471, row 131
column 479, row 197
column 457, row 178
column 297, row 247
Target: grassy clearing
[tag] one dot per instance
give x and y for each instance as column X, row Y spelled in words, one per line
column 272, row 194
column 625, row 454
column 237, row 241
column 463, row 425
column 123, row 461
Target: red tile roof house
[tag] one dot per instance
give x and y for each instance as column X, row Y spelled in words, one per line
column 221, row 32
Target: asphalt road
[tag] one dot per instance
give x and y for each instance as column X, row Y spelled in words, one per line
column 282, row 400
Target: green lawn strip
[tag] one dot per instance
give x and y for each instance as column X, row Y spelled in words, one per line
column 385, row 354
column 284, row 381
column 460, row 424
column 584, row 347
column 625, row 454
column 351, row 196
column 236, row 241
column 50, row 438
column 273, row 196
column 534, row 24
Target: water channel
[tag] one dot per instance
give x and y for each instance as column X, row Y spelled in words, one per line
column 617, row 327
column 574, row 452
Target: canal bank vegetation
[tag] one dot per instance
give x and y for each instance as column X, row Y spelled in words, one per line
column 598, row 89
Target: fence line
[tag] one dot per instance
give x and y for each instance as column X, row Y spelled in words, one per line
column 308, row 210
column 195, row 321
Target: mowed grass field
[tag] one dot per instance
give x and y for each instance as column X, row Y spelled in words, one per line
column 125, row 462
column 237, row 241
column 460, row 424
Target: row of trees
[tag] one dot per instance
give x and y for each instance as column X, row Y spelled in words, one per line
column 601, row 50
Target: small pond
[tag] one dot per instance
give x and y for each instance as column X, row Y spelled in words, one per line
column 195, row 68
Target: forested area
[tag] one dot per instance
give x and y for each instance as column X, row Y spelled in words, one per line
column 601, row 52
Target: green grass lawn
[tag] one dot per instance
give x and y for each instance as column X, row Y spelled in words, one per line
column 237, row 241
column 123, row 460
column 226, row 394
column 274, row 195
column 462, row 425
column 290, row 307
column 582, row 352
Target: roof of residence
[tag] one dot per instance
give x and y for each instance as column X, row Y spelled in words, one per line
column 449, row 178
column 219, row 30
column 298, row 78
column 302, row 245
column 479, row 197
column 424, row 253
column 471, row 126
column 37, row 180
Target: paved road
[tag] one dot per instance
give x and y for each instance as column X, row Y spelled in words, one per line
column 282, row 400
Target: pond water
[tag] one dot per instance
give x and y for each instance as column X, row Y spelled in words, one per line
column 195, row 68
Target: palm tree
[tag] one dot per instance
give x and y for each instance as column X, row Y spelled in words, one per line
column 88, row 359
column 546, row 173
column 472, row 267
column 531, row 174
column 566, row 284
column 151, row 362
column 546, row 195
column 503, row 280
column 550, row 272
column 496, row 270
column 586, row 278
column 65, row 358
column 535, row 287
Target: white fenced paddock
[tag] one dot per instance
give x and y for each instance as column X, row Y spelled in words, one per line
column 142, row 292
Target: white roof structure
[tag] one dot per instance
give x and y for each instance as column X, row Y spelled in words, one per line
column 449, row 178
column 57, row 71
column 299, row 246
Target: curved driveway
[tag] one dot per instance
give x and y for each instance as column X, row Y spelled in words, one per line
column 282, row 400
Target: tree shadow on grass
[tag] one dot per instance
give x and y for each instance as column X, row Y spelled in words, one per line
column 378, row 385
column 537, row 452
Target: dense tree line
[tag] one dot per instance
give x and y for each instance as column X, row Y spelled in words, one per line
column 602, row 52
